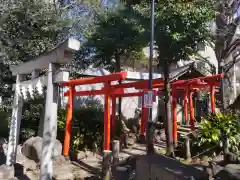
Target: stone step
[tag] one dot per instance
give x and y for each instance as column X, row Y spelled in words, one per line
column 182, row 133
column 188, row 126
column 183, row 129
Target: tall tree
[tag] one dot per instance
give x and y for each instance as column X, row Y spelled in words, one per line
column 117, row 34
column 28, row 28
column 179, row 28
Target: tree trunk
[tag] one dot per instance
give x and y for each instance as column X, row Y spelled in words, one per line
column 168, row 110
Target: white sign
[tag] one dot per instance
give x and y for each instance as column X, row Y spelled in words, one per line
column 148, row 99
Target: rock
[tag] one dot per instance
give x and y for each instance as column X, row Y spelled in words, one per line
column 64, row 176
column 230, row 172
column 63, row 173
column 78, row 155
column 32, row 148
column 121, row 173
column 6, row 172
column 131, row 139
column 3, row 150
column 28, row 164
column 162, row 135
column 59, row 160
column 215, row 168
column 232, row 158
column 3, row 146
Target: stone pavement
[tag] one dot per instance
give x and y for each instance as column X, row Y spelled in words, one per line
column 88, row 167
column 91, row 165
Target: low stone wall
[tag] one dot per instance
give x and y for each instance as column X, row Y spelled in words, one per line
column 159, row 167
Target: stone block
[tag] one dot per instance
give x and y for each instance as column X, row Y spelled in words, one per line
column 230, row 172
column 59, row 160
column 161, row 167
column 64, row 176
column 28, row 164
column 63, row 173
column 78, row 155
column 32, row 148
column 6, row 172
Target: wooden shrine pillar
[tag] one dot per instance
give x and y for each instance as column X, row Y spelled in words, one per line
column 107, row 121
column 185, row 101
column 212, row 98
column 191, row 109
column 68, row 127
column 113, row 119
column 174, row 115
column 15, row 123
column 144, row 118
column 50, row 124
column 107, row 153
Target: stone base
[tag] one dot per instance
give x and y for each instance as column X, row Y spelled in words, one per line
column 32, row 148
column 6, row 172
column 160, row 167
column 230, row 172
column 63, row 173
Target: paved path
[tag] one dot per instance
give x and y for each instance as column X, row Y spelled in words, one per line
column 92, row 164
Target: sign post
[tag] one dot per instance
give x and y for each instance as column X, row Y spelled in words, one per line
column 149, row 98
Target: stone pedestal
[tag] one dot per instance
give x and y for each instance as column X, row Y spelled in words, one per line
column 161, row 167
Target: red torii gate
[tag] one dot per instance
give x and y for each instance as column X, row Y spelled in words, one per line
column 106, row 80
column 118, row 91
column 187, row 86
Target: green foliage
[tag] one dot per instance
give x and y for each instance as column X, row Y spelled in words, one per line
column 5, row 116
column 215, row 125
column 26, row 133
column 90, row 128
column 29, row 28
column 31, row 115
column 117, row 34
column 87, row 125
column 77, row 142
column 180, row 26
column 61, row 119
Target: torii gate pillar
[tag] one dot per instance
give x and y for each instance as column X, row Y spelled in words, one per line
column 15, row 123
column 50, row 124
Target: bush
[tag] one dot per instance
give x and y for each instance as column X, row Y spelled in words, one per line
column 90, row 129
column 215, row 125
column 5, row 116
column 26, row 133
column 31, row 115
column 61, row 119
column 87, row 125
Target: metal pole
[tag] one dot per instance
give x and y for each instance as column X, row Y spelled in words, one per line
column 150, row 130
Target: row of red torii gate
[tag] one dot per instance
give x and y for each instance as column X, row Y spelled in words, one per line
column 184, row 88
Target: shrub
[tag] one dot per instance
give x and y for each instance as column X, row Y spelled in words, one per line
column 61, row 118
column 5, row 116
column 215, row 125
column 90, row 128
column 87, row 125
column 26, row 133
